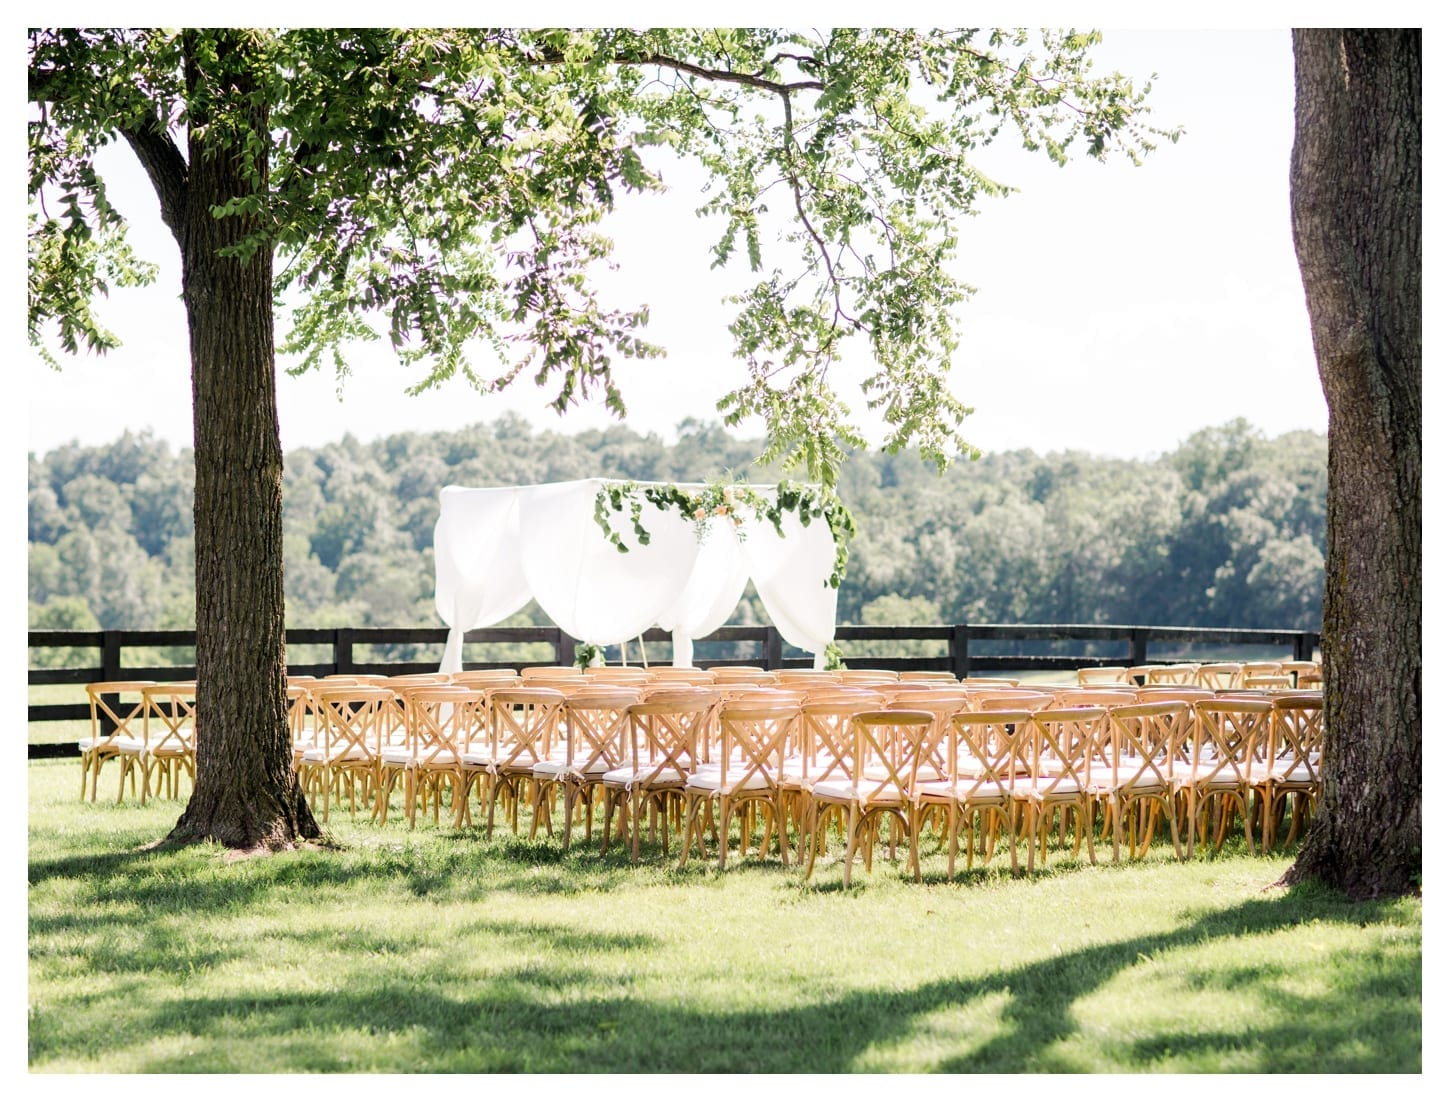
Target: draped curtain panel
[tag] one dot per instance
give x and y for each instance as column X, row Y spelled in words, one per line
column 497, row 548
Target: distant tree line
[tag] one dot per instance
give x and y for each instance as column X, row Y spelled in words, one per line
column 1228, row 530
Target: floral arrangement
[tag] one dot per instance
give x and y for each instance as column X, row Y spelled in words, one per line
column 727, row 499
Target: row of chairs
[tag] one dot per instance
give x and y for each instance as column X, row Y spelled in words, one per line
column 1210, row 675
column 648, row 753
column 647, row 757
column 148, row 728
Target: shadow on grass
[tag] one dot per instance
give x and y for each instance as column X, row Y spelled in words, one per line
column 542, row 1017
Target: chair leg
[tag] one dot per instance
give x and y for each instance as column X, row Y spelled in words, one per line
column 853, row 822
column 808, row 829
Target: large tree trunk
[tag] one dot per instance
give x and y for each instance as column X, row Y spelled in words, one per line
column 246, row 793
column 1355, row 182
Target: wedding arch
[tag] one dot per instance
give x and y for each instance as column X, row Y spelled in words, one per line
column 606, row 560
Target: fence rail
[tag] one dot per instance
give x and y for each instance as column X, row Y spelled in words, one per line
column 1129, row 644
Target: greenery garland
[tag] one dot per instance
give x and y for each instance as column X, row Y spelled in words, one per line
column 728, row 499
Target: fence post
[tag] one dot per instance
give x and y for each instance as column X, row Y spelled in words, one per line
column 564, row 645
column 961, row 651
column 110, row 656
column 110, row 671
column 1138, row 642
column 772, row 647
column 342, row 651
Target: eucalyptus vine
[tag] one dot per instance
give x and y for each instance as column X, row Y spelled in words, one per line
column 732, row 500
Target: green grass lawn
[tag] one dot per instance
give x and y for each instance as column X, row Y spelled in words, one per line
column 441, row 951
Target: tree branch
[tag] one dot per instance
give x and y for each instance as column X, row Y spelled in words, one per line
column 726, row 76
column 795, row 187
column 158, row 154
column 166, row 168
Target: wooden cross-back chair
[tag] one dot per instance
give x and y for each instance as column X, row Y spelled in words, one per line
column 117, row 708
column 825, row 750
column 440, row 721
column 1142, row 770
column 524, row 727
column 353, row 721
column 594, row 732
column 1229, row 736
column 887, row 746
column 666, row 733
column 984, row 758
column 744, row 777
column 1066, row 745
column 1220, row 675
column 1296, row 744
column 169, row 731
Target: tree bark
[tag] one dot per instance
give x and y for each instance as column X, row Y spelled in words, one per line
column 246, row 794
column 1355, row 185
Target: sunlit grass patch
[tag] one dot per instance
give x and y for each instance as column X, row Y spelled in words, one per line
column 432, row 950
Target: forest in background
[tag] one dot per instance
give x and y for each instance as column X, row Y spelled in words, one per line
column 1227, row 530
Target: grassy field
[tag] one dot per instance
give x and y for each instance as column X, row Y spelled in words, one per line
column 434, row 951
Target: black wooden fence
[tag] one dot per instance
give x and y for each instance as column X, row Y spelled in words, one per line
column 969, row 649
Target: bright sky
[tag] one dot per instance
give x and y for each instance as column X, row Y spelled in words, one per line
column 1119, row 309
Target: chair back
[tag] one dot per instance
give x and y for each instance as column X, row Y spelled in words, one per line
column 1146, row 694
column 753, row 744
column 682, row 675
column 354, row 721
column 524, row 723
column 1067, row 744
column 1145, row 742
column 889, row 746
column 1230, row 737
column 668, row 732
column 990, row 700
column 1179, row 673
column 119, row 706
column 827, row 738
column 1102, row 675
column 1297, row 740
column 1307, row 675
column 1098, row 695
column 989, row 752
column 486, row 678
column 1006, row 683
column 169, row 722
column 442, row 722
column 792, row 678
column 616, row 675
column 1220, row 675
column 741, row 675
column 398, row 682
column 868, row 677
column 595, row 723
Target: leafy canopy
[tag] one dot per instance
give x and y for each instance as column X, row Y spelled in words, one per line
column 446, row 187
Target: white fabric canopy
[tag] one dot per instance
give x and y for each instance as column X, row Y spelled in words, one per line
column 497, row 548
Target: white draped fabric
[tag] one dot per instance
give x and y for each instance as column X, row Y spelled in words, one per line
column 497, row 548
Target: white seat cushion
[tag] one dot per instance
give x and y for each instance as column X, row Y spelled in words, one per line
column 628, row 774
column 962, row 789
column 736, row 780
